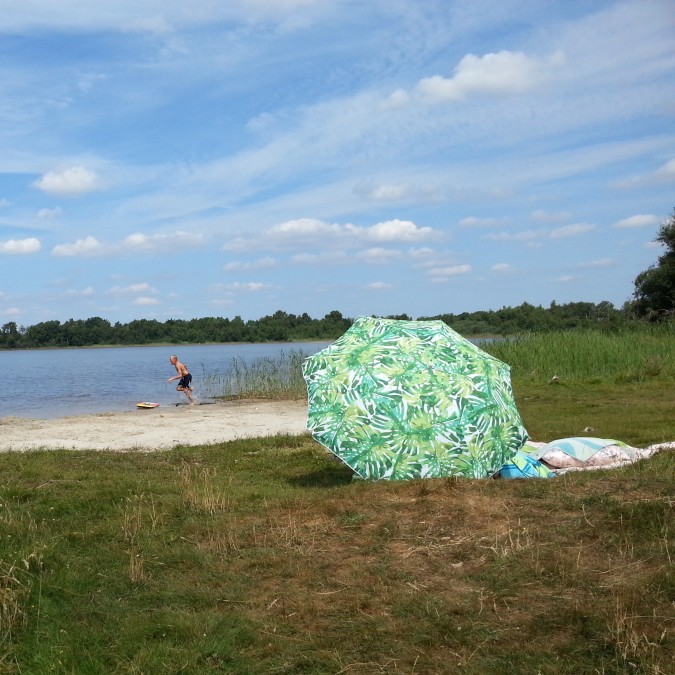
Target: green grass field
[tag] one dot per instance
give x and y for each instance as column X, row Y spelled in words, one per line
column 263, row 556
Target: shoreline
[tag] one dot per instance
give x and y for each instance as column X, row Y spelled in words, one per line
column 157, row 428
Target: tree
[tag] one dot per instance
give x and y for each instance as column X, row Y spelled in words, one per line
column 655, row 287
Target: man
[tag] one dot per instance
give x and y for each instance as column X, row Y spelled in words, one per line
column 184, row 377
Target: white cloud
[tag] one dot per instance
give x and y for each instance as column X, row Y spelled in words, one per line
column 638, row 221
column 309, row 227
column 379, row 286
column 11, row 311
column 239, row 266
column 377, row 256
column 524, row 235
column 473, row 221
column 133, row 288
column 388, row 192
column 397, row 230
column 4, row 203
column 84, row 293
column 566, row 278
column 154, row 16
column 502, row 268
column 20, row 246
column 540, row 216
column 69, row 182
column 441, row 274
column 600, row 262
column 499, row 74
column 160, row 243
column 388, row 231
column 238, row 287
column 144, row 301
column 422, row 253
column 570, row 230
column 323, row 258
column 47, row 214
column 88, row 246
column 667, row 171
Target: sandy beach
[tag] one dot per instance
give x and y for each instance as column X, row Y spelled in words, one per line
column 158, row 428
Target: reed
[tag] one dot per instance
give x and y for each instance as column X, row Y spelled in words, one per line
column 635, row 355
column 629, row 356
column 266, row 377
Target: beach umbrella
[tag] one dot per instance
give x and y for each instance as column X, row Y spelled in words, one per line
column 412, row 399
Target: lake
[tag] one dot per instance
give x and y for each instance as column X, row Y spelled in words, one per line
column 48, row 383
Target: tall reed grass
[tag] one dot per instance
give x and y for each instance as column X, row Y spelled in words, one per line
column 266, row 377
column 635, row 355
column 631, row 356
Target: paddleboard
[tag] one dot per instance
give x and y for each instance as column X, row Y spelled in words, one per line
column 147, row 404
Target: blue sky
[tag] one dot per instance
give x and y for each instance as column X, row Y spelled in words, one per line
column 168, row 160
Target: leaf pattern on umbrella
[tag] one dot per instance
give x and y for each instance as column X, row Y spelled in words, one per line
column 410, row 399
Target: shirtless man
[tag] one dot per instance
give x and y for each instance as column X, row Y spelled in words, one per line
column 184, row 377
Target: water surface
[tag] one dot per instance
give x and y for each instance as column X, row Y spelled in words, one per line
column 50, row 383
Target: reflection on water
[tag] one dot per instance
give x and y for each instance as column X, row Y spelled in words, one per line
column 58, row 382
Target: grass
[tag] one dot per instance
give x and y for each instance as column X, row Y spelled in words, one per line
column 592, row 356
column 263, row 556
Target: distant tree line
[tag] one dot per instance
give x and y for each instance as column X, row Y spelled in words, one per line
column 284, row 327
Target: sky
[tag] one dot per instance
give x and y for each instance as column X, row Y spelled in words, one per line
column 170, row 160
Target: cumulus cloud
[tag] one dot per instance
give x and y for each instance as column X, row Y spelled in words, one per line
column 159, row 243
column 144, row 301
column 20, row 246
column 500, row 74
column 87, row 292
column 323, row 258
column 540, row 216
column 472, row 221
column 239, row 287
column 377, row 256
column 570, row 230
column 600, row 262
column 378, row 286
column 47, row 214
column 69, row 182
column 502, row 268
column 386, row 192
column 133, row 288
column 524, row 235
column 397, row 230
column 388, row 231
column 89, row 246
column 310, row 227
column 239, row 266
column 638, row 221
column 443, row 274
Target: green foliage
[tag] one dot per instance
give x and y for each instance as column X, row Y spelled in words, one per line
column 655, row 287
column 636, row 354
column 280, row 327
column 284, row 327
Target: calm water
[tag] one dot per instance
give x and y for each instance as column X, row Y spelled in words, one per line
column 57, row 382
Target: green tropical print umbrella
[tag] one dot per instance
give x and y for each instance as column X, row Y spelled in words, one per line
column 400, row 400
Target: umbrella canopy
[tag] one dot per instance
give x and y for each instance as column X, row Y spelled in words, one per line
column 412, row 399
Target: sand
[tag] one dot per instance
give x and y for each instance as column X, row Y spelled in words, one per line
column 157, row 428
